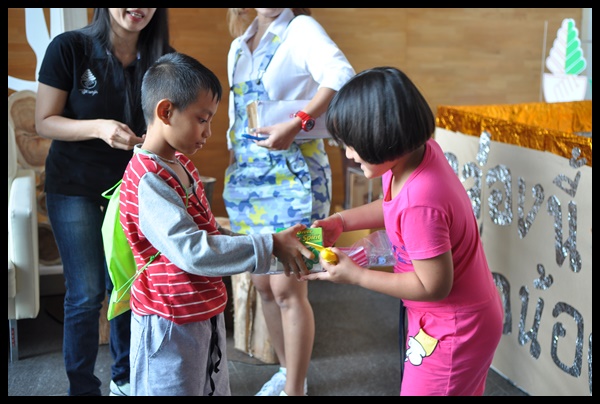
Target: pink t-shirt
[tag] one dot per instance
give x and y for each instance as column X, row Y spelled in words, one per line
column 431, row 215
column 451, row 342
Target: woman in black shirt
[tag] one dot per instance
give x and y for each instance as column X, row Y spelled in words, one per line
column 88, row 102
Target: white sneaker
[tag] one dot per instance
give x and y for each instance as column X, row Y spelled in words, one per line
column 284, row 394
column 274, row 386
column 119, row 390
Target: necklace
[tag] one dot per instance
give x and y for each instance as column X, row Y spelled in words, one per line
column 166, row 160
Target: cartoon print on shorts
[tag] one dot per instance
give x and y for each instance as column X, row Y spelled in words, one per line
column 419, row 347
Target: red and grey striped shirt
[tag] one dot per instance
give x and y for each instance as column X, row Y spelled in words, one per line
column 164, row 288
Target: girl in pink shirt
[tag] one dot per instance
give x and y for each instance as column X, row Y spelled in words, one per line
column 454, row 311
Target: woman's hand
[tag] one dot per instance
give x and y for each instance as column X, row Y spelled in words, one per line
column 279, row 136
column 118, row 135
column 50, row 123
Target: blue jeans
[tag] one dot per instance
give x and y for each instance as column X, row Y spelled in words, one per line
column 76, row 222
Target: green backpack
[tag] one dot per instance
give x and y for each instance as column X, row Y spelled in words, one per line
column 119, row 257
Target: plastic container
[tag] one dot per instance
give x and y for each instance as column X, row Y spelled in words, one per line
column 277, row 267
column 374, row 250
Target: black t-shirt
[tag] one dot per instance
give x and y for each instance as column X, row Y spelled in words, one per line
column 94, row 79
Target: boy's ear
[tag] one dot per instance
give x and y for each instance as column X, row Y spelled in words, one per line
column 164, row 110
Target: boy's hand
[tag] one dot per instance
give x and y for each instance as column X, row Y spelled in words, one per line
column 291, row 252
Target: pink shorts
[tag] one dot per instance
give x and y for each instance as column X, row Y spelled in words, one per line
column 450, row 353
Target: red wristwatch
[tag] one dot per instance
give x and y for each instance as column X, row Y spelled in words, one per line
column 308, row 122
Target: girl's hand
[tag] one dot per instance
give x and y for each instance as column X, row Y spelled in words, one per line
column 332, row 227
column 345, row 271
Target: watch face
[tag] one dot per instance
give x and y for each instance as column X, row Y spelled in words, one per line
column 309, row 124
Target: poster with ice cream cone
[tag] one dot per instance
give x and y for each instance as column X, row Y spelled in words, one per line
column 565, row 62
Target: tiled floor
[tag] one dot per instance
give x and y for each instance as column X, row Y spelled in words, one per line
column 356, row 351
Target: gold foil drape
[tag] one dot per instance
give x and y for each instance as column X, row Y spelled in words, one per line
column 552, row 127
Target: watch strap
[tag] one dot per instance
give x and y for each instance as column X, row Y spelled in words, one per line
column 305, row 118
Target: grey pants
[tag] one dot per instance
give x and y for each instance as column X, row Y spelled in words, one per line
column 178, row 360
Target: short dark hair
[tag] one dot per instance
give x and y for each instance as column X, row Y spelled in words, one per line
column 381, row 114
column 179, row 78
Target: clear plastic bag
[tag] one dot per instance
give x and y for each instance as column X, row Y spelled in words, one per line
column 374, row 250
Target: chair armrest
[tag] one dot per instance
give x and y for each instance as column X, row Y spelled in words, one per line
column 23, row 249
column 12, row 281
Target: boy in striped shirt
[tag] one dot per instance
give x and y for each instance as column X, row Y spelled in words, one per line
column 178, row 344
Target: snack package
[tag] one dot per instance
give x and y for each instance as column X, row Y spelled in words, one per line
column 308, row 235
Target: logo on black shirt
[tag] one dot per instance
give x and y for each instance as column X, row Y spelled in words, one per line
column 88, row 82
